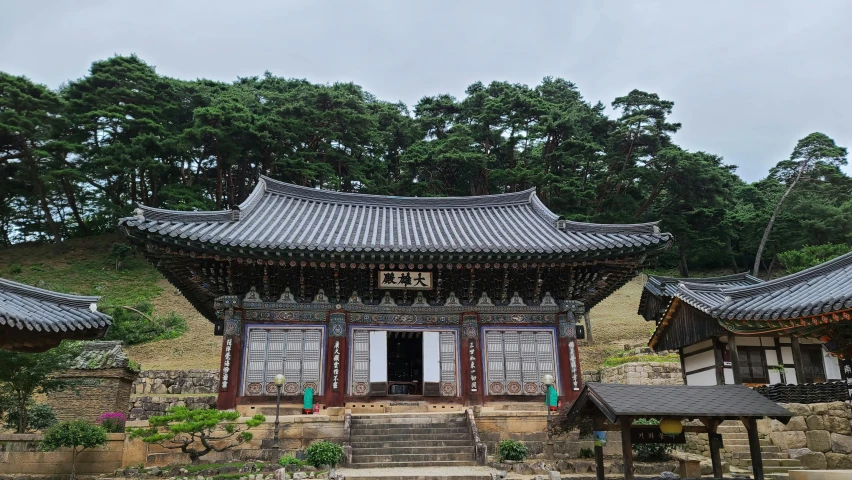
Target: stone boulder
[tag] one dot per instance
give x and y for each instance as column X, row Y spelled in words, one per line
column 788, row 440
column 838, row 425
column 818, row 441
column 841, row 443
column 809, row 459
column 797, row 409
column 838, row 461
column 816, row 422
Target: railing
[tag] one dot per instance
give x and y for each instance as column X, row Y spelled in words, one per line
column 347, row 437
column 481, row 450
column 805, row 392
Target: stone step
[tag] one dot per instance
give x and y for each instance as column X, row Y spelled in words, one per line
column 727, row 436
column 358, row 443
column 768, row 469
column 764, row 455
column 411, row 421
column 413, row 457
column 418, row 476
column 777, row 462
column 405, row 437
column 744, row 441
column 745, row 448
column 726, row 429
column 407, row 418
column 447, row 431
column 432, row 463
column 396, row 450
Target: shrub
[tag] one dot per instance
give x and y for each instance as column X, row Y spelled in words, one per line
column 77, row 435
column 288, row 460
column 136, row 325
column 40, row 416
column 512, row 450
column 119, row 252
column 648, row 452
column 324, row 453
column 197, row 432
column 15, row 269
column 587, row 453
column 112, row 422
column 810, row 255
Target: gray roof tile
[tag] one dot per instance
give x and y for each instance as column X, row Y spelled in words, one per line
column 820, row 289
column 282, row 216
column 678, row 400
column 33, row 309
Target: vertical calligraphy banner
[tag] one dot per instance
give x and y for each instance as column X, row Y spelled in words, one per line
column 337, row 371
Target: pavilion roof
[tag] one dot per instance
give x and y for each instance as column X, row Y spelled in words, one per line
column 29, row 313
column 279, row 217
column 688, row 401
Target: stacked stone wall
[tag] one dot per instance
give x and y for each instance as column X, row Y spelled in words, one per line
column 143, row 407
column 643, row 373
column 176, row 382
column 94, row 392
column 819, row 435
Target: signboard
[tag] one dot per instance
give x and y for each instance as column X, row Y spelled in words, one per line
column 652, row 434
column 401, row 280
column 846, row 372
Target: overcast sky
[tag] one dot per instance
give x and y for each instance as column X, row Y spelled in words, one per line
column 748, row 78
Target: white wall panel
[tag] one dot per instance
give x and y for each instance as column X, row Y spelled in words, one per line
column 378, row 356
column 431, row 357
column 698, row 346
column 729, row 376
column 699, row 360
column 707, row 377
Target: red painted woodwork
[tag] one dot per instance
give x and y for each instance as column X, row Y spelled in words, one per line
column 227, row 398
column 335, row 398
column 567, row 393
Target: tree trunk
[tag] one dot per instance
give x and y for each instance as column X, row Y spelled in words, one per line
column 22, row 416
column 684, row 268
column 756, row 269
column 653, row 196
column 218, row 177
column 72, row 202
column 45, row 208
column 731, row 254
column 73, row 463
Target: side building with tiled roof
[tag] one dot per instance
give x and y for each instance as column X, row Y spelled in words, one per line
column 742, row 330
column 375, row 298
column 33, row 319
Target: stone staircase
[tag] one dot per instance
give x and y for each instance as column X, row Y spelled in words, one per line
column 413, row 440
column 775, row 463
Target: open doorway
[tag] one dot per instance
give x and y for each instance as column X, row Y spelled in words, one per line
column 405, row 363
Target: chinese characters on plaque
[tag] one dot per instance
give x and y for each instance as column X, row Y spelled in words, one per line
column 405, row 280
column 226, row 364
column 846, row 373
column 652, row 434
column 472, row 356
column 335, row 372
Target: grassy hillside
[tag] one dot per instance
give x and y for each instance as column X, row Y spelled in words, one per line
column 83, row 267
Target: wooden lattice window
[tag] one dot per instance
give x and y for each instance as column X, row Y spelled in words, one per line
column 812, row 364
column 294, row 352
column 753, row 365
column 517, row 359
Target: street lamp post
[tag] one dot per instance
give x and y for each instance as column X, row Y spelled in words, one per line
column 279, row 382
column 547, row 379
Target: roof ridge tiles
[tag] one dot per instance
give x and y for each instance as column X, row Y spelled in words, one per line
column 62, row 299
column 793, row 279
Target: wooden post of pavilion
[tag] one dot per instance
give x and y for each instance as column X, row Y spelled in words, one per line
column 588, row 322
column 715, row 456
column 599, row 457
column 720, row 362
column 754, row 447
column 627, row 446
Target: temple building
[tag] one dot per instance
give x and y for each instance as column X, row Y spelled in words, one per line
column 34, row 320
column 362, row 297
column 738, row 329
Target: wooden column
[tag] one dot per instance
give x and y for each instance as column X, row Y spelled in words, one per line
column 735, row 358
column 336, row 371
column 588, row 321
column 720, row 361
column 472, row 384
column 797, row 360
column 230, row 366
column 626, row 447
column 569, row 373
column 599, row 457
column 754, row 448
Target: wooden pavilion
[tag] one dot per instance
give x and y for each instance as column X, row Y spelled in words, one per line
column 369, row 298
column 614, row 407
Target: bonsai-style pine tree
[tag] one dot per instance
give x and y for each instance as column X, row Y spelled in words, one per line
column 197, row 432
column 77, row 435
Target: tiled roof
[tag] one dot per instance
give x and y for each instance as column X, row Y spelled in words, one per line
column 281, row 216
column 668, row 286
column 32, row 309
column 103, row 354
column 820, row 289
column 689, row 401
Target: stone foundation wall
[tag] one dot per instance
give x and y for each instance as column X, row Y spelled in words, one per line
column 143, row 407
column 95, row 392
column 591, row 376
column 176, row 382
column 643, row 373
column 819, row 435
column 19, row 454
